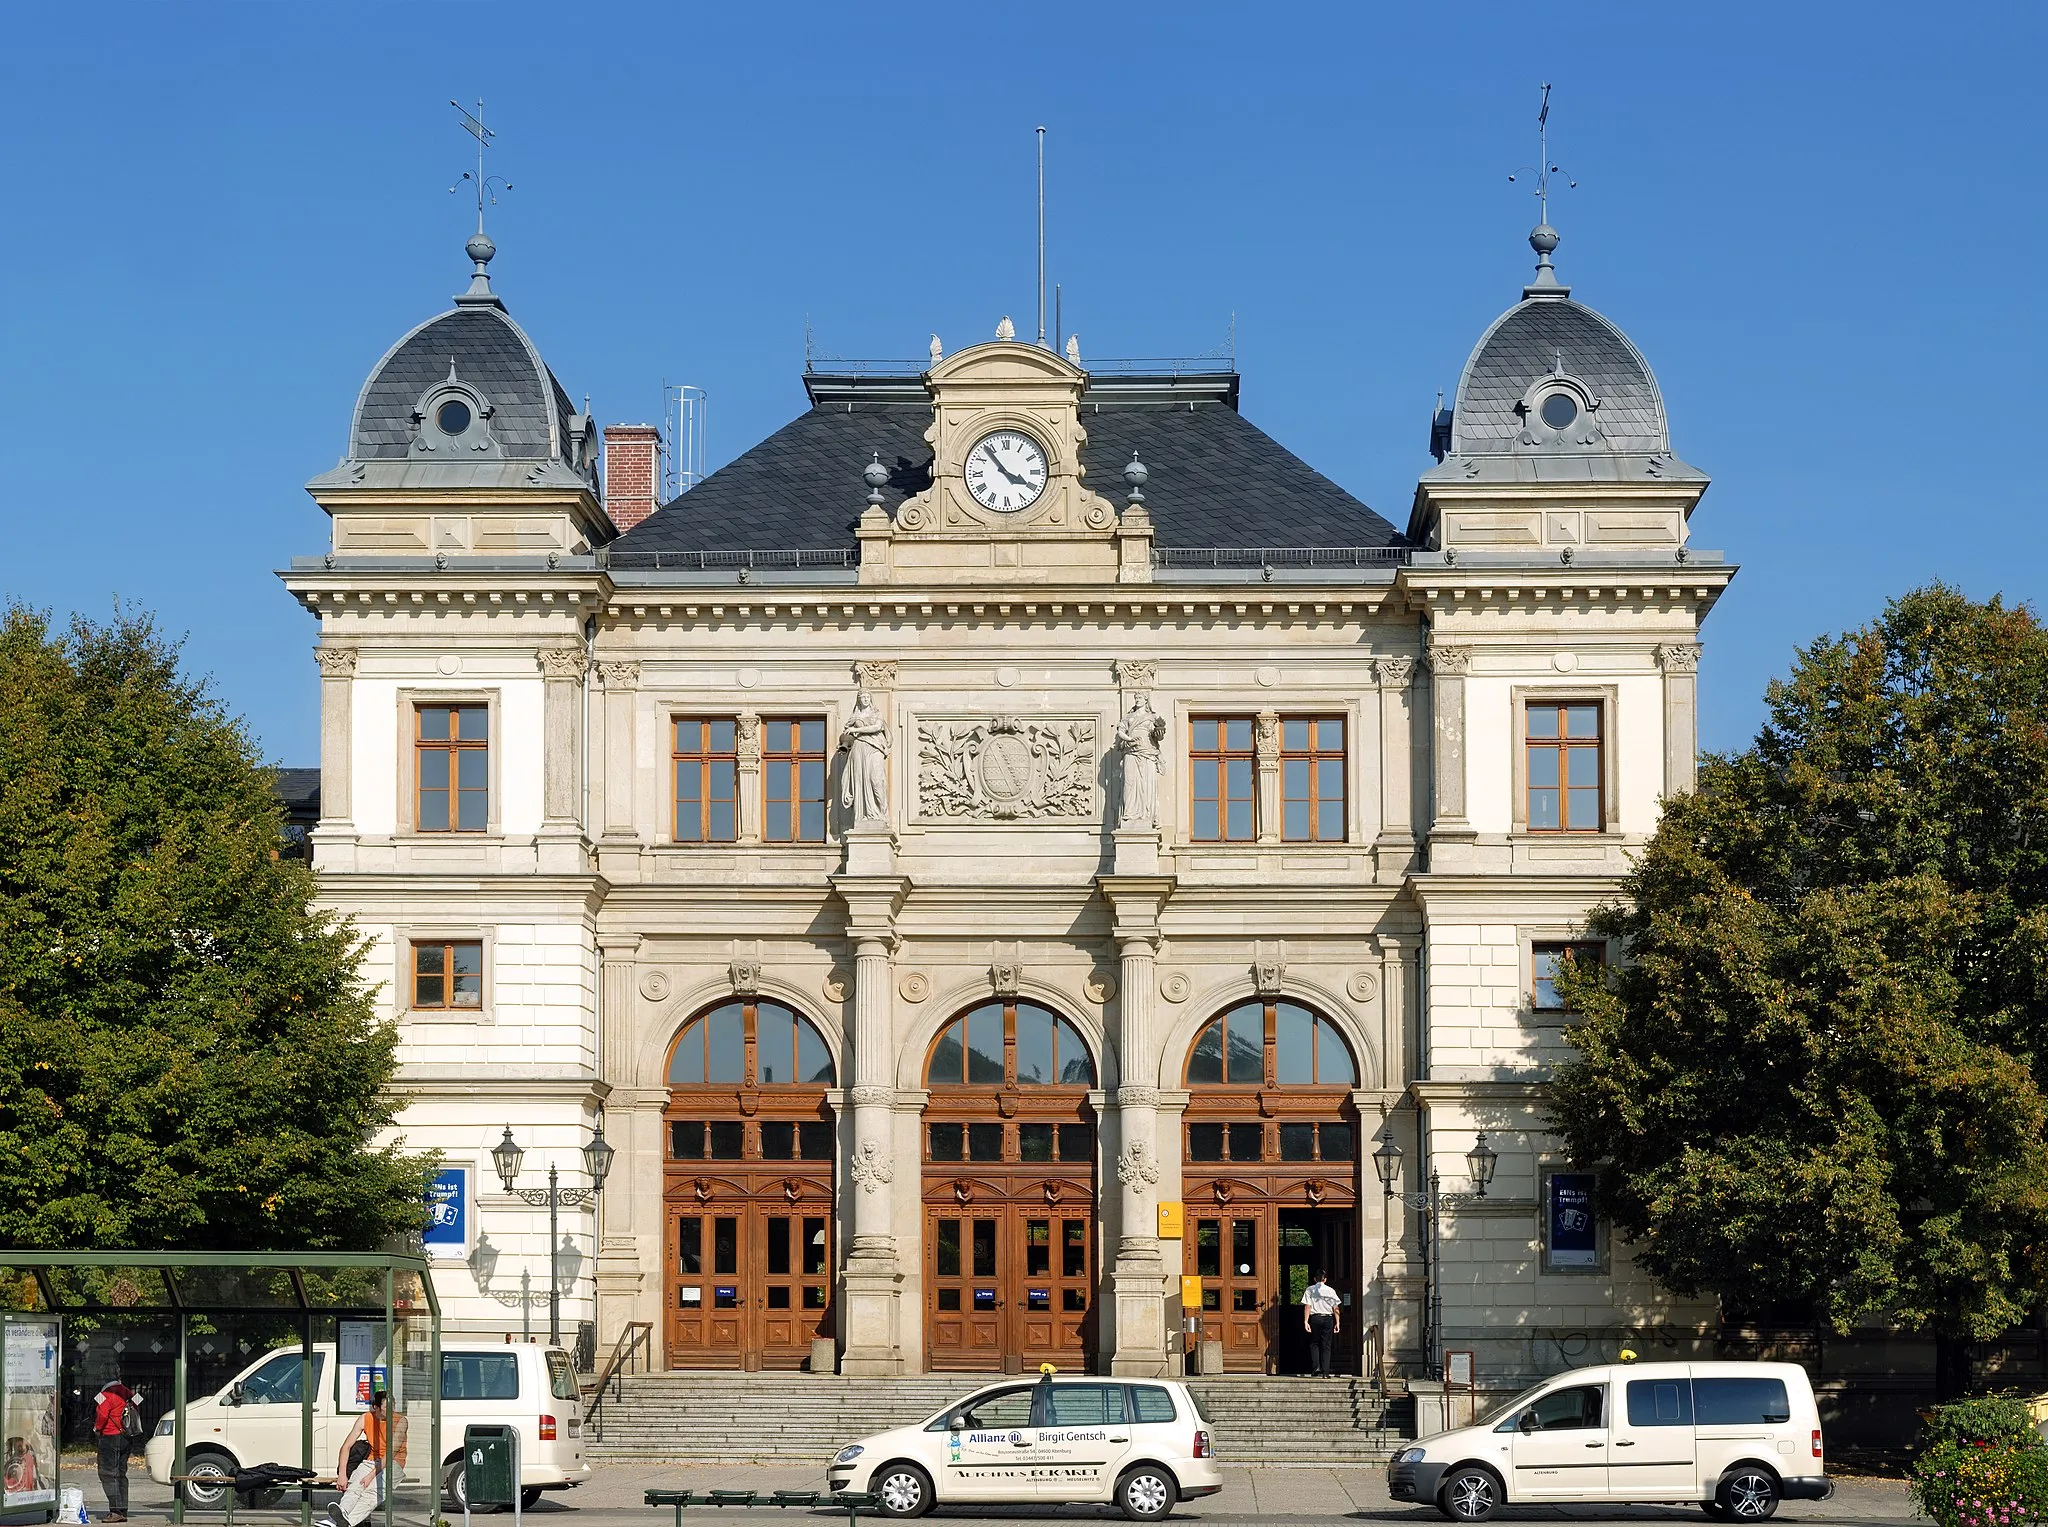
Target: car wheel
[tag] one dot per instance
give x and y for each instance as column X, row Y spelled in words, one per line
column 904, row 1490
column 1470, row 1495
column 455, row 1487
column 1749, row 1495
column 211, row 1478
column 1146, row 1493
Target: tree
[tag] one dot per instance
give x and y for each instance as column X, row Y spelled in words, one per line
column 1821, row 1075
column 188, row 1055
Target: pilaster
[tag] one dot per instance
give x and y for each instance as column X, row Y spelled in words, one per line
column 1680, row 662
column 747, row 766
column 333, row 840
column 561, row 831
column 1451, row 835
column 1394, row 850
column 1266, row 764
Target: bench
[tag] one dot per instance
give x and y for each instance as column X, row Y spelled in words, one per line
column 852, row 1502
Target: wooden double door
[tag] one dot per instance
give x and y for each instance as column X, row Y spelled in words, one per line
column 1255, row 1260
column 1010, row 1285
column 749, row 1276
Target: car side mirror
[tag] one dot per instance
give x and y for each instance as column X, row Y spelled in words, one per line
column 1527, row 1423
column 234, row 1394
column 955, row 1421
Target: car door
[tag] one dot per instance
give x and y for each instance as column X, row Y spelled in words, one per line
column 266, row 1425
column 989, row 1455
column 1737, row 1414
column 1560, row 1446
column 1083, row 1441
column 1649, row 1440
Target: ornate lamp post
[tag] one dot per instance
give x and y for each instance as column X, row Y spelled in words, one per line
column 597, row 1161
column 1480, row 1161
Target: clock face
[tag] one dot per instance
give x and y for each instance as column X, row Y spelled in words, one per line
column 1006, row 471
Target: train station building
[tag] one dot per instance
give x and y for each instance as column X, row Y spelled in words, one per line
column 1020, row 866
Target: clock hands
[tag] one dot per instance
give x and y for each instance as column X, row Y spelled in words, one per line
column 990, row 452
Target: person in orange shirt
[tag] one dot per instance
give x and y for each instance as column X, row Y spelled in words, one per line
column 363, row 1477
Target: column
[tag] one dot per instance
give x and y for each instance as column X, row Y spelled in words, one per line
column 621, row 681
column 1266, row 762
column 1680, row 662
column 561, row 760
column 747, row 748
column 1448, row 667
column 636, row 1174
column 1138, row 1277
column 337, row 829
column 871, row 1324
column 1394, row 852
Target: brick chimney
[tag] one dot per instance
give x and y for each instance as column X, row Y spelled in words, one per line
column 630, row 473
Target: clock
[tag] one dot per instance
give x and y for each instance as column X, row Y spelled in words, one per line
column 1006, row 471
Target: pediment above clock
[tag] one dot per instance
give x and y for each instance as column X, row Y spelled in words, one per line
column 1002, row 361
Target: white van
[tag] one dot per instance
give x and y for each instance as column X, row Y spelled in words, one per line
column 1733, row 1438
column 256, row 1418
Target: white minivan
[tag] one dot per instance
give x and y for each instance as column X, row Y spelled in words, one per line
column 256, row 1419
column 1733, row 1438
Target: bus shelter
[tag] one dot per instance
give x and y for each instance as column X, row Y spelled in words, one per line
column 227, row 1326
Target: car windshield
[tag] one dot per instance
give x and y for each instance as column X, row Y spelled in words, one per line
column 1506, row 1407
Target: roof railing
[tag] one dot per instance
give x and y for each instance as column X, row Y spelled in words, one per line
column 1282, row 556
column 1140, row 365
column 717, row 561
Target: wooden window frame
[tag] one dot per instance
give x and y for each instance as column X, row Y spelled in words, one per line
column 796, row 758
column 706, row 760
column 405, row 812
column 1563, row 746
column 455, row 748
column 1224, row 754
column 1316, row 754
column 1270, row 1049
column 447, row 944
column 1595, row 949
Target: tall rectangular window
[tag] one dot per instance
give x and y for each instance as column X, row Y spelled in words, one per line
column 793, row 780
column 448, row 975
column 452, row 767
column 1312, row 779
column 707, row 779
column 1563, row 746
column 1221, row 764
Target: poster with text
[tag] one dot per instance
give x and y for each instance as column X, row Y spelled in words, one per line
column 447, row 1232
column 30, row 1419
column 1574, row 1233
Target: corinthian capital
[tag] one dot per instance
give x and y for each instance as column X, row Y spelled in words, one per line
column 1679, row 657
column 619, row 675
column 1136, row 672
column 877, row 673
column 336, row 662
column 560, row 662
column 1452, row 662
column 1394, row 672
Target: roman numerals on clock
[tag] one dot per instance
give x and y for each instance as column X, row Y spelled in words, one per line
column 1006, row 471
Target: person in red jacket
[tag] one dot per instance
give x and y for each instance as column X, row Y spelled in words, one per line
column 110, row 1432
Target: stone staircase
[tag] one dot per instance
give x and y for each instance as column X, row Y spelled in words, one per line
column 802, row 1418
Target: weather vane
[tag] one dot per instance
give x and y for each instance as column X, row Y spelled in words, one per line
column 474, row 126
column 1543, row 169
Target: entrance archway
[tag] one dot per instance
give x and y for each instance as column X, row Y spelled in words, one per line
column 747, row 1189
column 1269, row 1154
column 1009, row 1191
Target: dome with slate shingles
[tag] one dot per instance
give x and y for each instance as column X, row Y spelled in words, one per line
column 1545, row 337
column 526, row 414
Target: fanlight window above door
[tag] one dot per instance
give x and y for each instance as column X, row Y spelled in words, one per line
column 717, row 1047
column 1294, row 1045
column 1020, row 1043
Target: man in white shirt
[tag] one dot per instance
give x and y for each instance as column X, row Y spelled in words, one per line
column 1320, row 1307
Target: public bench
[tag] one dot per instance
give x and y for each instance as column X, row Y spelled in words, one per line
column 852, row 1502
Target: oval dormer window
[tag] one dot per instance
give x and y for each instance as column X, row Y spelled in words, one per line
column 453, row 416
column 1559, row 409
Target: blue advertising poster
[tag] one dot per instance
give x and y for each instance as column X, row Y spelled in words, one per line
column 1574, row 1238
column 447, row 1233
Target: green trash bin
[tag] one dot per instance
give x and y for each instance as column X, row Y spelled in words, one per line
column 490, row 1466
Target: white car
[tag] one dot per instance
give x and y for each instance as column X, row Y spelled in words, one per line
column 257, row 1418
column 1733, row 1438
column 1142, row 1444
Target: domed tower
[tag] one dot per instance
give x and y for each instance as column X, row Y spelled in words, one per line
column 1557, row 438
column 463, row 443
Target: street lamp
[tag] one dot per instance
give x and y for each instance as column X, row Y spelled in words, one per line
column 1482, row 1158
column 597, row 1161
column 1429, row 1206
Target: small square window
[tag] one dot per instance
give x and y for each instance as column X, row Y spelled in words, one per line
column 984, row 1142
column 448, row 975
column 1247, row 1142
column 1544, row 962
column 945, row 1142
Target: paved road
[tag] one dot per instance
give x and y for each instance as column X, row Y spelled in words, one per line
column 1302, row 1493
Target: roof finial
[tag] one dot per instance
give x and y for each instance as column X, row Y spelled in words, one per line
column 479, row 248
column 1543, row 238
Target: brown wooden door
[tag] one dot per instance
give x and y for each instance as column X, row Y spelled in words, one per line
column 1055, row 1285
column 795, row 1283
column 1231, row 1251
column 707, row 1289
column 1009, row 1286
column 965, row 1299
column 749, row 1283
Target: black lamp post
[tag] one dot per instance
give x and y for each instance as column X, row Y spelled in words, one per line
column 1482, row 1158
column 1386, row 1161
column 597, row 1161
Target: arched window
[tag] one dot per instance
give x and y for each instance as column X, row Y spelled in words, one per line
column 776, row 1044
column 1010, row 1044
column 1258, row 1044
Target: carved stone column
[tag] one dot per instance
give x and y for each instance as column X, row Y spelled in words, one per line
column 1266, row 763
column 871, row 1333
column 621, row 681
column 1394, row 852
column 1680, row 662
column 634, row 1176
column 1451, row 830
column 747, row 748
column 1138, row 1278
column 561, row 759
column 337, row 741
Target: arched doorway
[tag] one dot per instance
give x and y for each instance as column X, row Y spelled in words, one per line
column 748, row 1189
column 1009, row 1191
column 1269, row 1155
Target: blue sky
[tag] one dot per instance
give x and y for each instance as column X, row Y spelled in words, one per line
column 1821, row 223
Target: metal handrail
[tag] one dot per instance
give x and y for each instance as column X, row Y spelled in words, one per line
column 1282, row 556
column 714, row 561
column 637, row 1336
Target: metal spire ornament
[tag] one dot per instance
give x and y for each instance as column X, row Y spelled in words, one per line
column 1543, row 237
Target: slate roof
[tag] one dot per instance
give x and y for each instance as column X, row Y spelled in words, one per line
column 1216, row 479
column 1522, row 345
column 492, row 354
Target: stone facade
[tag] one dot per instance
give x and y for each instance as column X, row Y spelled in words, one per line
column 1005, row 855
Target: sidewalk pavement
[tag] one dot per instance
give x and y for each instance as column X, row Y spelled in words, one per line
column 1251, row 1492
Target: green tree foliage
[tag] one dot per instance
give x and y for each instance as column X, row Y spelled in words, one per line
column 1819, row 1078
column 188, row 1057
column 1982, row 1464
